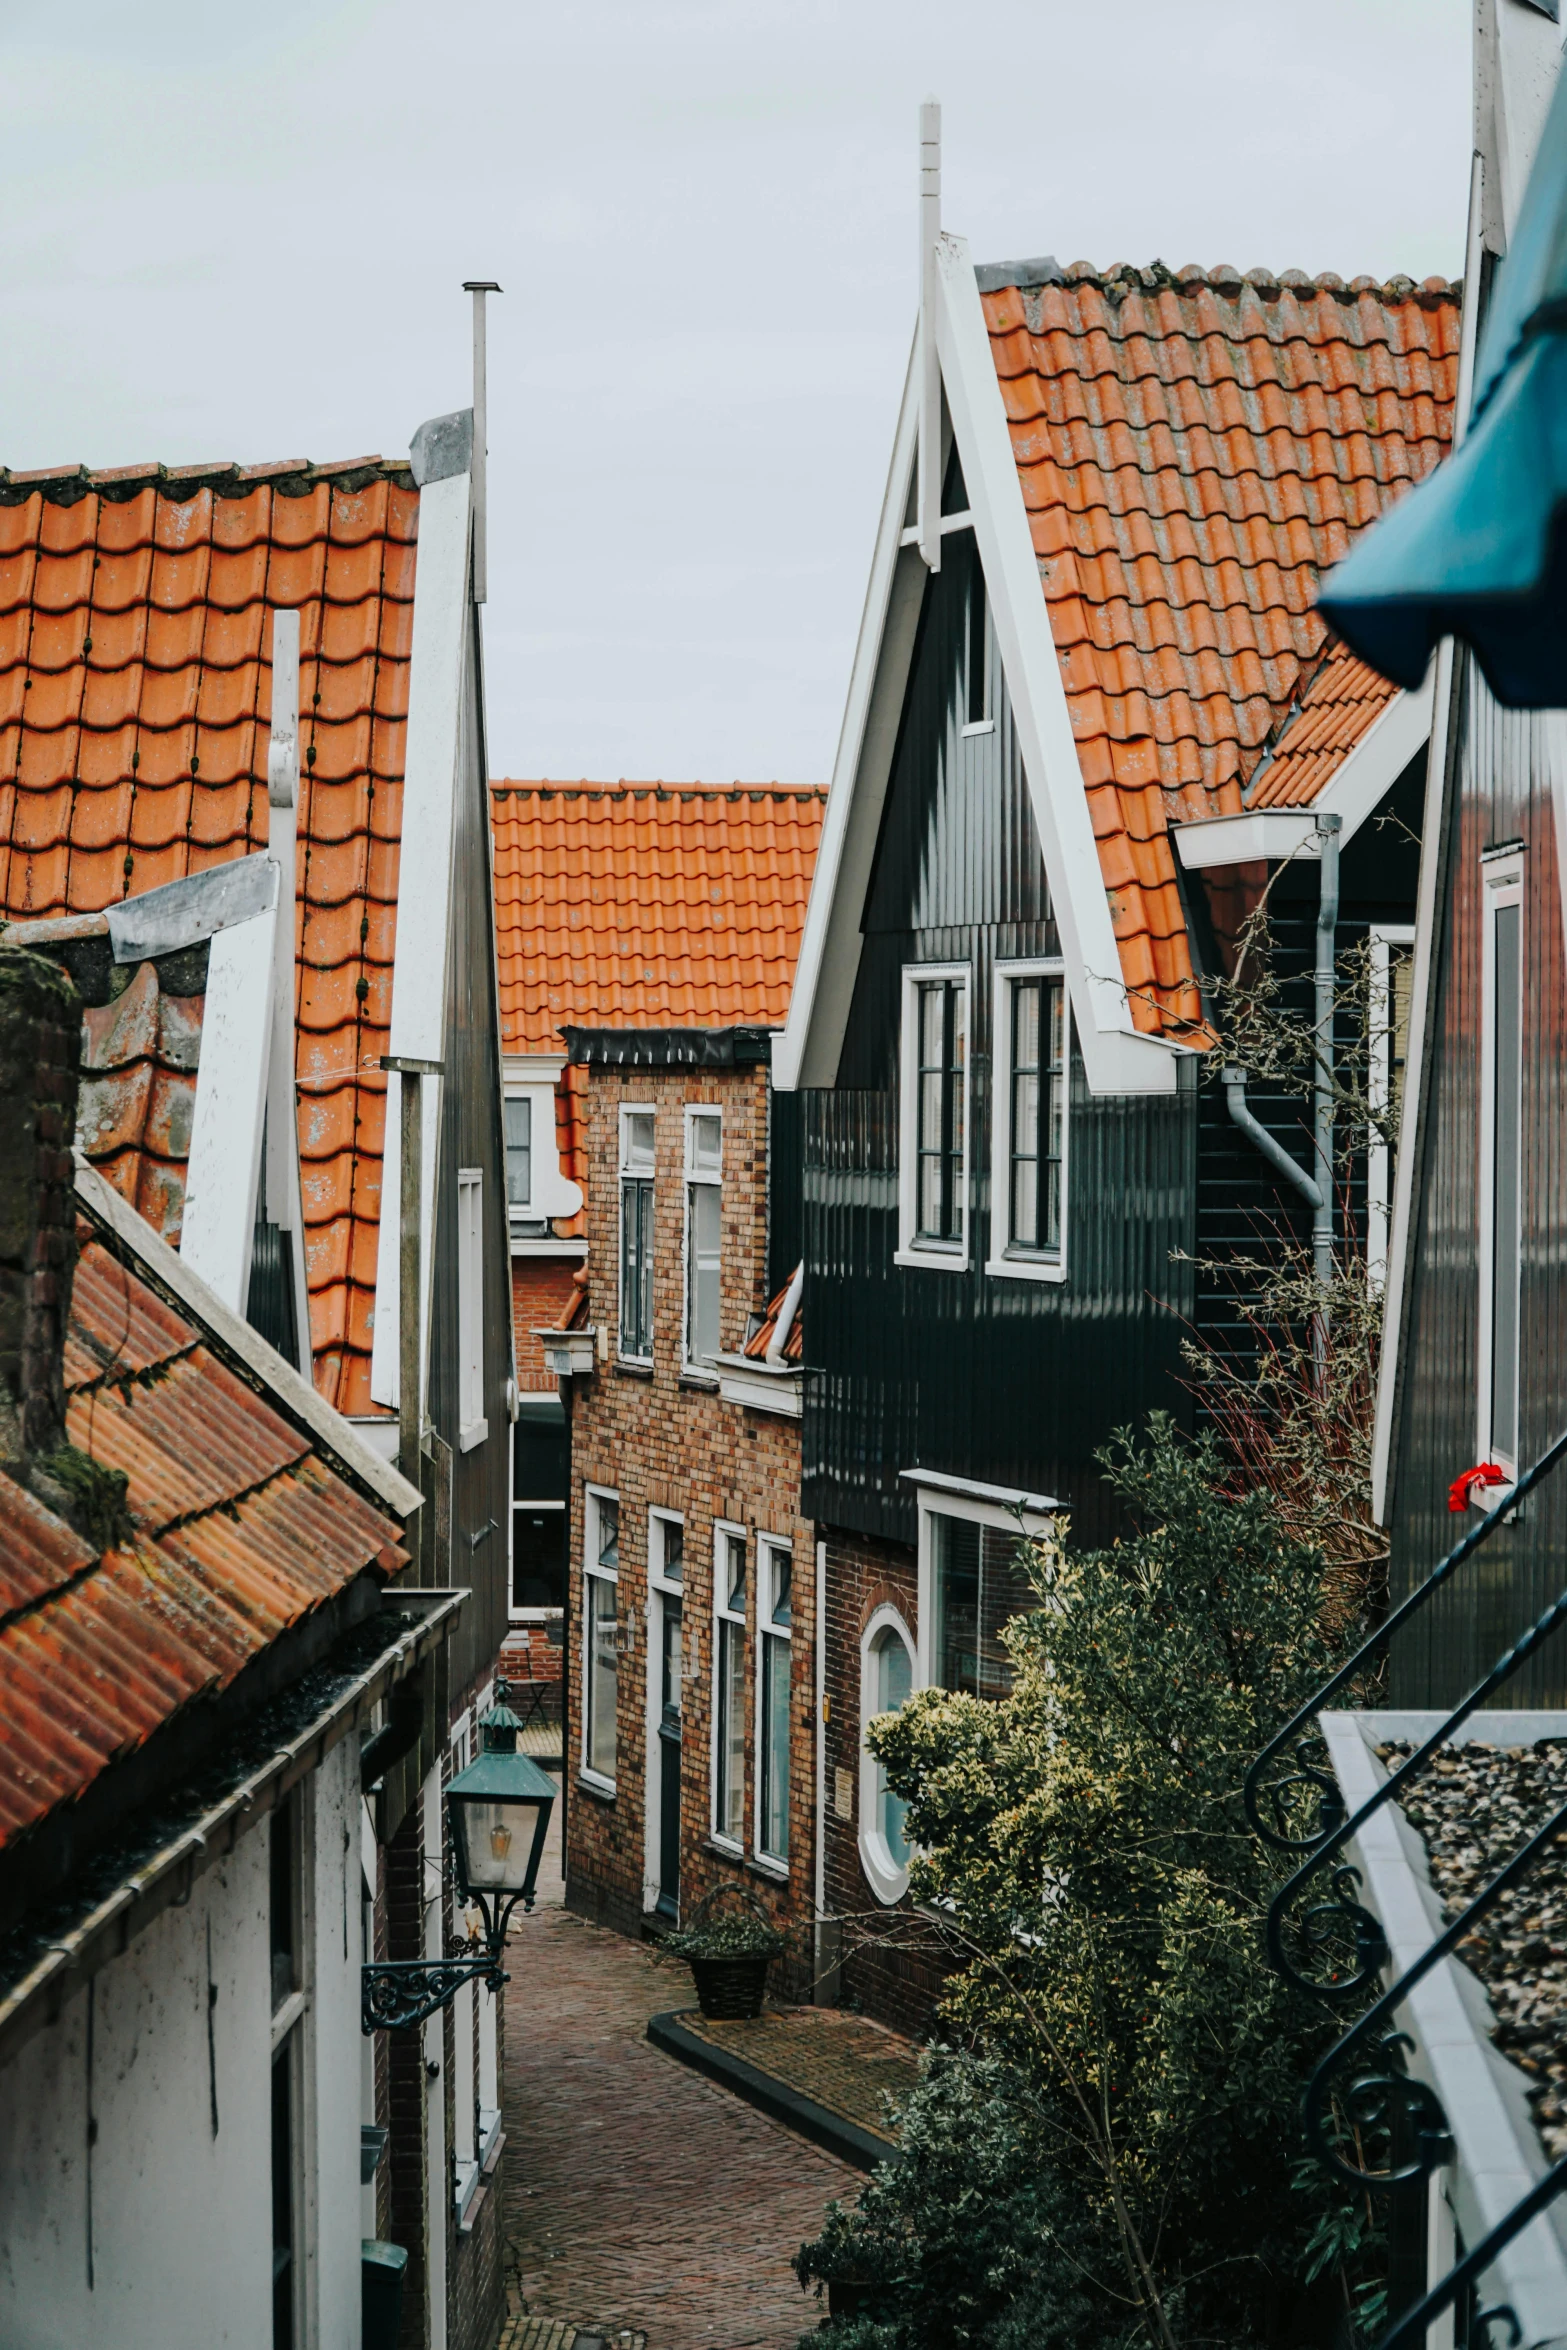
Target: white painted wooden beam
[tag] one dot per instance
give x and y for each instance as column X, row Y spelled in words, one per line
column 424, row 887
column 929, row 493
column 231, row 1085
column 285, row 1198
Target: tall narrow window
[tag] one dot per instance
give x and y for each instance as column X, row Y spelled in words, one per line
column 774, row 1578
column 886, row 1678
column 636, row 1234
column 519, row 1153
column 1038, row 1111
column 1501, row 1118
column 978, row 681
column 704, row 1221
column 979, row 1584
column 729, row 1726
column 470, row 1306
column 600, row 1650
column 936, row 1042
column 287, row 1943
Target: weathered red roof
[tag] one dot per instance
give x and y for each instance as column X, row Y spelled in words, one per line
column 241, row 1529
column 135, row 701
column 761, row 1338
column 1195, row 449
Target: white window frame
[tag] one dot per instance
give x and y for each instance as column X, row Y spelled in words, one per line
column 535, row 1078
column 951, row 1256
column 1501, row 884
column 702, row 1366
column 1005, row 1260
column 593, row 1496
column 979, row 1513
column 887, row 1878
column 767, row 1548
column 628, row 1172
column 1384, row 937
column 472, row 1426
column 725, row 1531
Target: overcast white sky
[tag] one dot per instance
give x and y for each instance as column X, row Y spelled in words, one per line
column 241, row 230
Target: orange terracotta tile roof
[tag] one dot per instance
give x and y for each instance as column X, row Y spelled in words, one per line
column 648, row 905
column 135, row 698
column 1340, row 705
column 761, row 1338
column 240, row 1530
column 1194, row 450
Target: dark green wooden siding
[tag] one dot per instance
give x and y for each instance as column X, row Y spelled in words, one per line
column 1503, row 794
column 1010, row 1382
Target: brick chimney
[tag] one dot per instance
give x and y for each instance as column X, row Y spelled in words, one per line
column 40, row 1048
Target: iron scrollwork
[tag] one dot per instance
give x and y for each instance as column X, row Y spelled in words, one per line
column 1264, row 1796
column 398, row 1993
column 1363, row 1973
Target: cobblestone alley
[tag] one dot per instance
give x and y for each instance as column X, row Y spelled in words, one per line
column 641, row 2196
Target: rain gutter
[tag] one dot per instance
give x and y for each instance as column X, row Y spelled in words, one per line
column 168, row 1877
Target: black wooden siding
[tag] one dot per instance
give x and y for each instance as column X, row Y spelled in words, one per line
column 1503, row 794
column 471, row 1137
column 1012, row 1382
column 1243, row 1207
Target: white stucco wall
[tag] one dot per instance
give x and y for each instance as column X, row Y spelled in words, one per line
column 174, row 2215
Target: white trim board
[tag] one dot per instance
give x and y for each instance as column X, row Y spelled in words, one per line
column 424, row 889
column 224, row 1165
column 1354, row 792
column 1117, row 1058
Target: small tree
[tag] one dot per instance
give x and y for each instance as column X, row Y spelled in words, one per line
column 1112, row 2159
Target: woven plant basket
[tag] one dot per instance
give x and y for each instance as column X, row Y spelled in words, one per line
column 728, row 1989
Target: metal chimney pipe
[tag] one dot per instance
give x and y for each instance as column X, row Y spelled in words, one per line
column 478, row 287
column 928, row 507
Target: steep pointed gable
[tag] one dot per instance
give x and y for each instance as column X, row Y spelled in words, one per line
column 1193, row 451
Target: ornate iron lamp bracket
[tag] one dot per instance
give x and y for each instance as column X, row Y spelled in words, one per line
column 398, row 1994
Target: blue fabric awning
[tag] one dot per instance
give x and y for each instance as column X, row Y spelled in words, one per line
column 1479, row 550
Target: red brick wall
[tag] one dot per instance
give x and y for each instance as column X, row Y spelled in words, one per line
column 662, row 1441
column 889, row 1965
column 540, row 1290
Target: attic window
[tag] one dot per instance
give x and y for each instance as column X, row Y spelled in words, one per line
column 978, row 679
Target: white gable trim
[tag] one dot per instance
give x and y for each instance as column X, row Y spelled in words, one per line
column 219, row 1222
column 1354, row 792
column 808, row 1051
column 424, row 886
column 1116, row 1057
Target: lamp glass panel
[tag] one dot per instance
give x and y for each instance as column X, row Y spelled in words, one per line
column 499, row 1838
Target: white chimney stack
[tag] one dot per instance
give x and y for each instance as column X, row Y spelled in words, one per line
column 478, row 288
column 928, row 507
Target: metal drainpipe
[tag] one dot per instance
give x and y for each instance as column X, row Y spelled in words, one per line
column 1328, row 828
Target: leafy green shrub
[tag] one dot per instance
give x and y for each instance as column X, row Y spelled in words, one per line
column 1118, row 2160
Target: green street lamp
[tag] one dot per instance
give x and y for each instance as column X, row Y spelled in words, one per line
column 498, row 1815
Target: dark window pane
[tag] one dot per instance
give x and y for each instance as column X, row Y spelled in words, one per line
column 538, row 1558
column 980, row 1585
column 282, row 2199
column 285, row 1975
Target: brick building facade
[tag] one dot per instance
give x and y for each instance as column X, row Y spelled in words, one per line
column 694, row 1577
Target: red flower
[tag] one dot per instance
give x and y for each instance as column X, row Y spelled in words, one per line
column 1462, row 1487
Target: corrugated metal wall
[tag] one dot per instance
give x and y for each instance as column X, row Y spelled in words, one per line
column 1503, row 794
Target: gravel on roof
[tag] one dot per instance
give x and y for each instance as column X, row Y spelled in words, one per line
column 1474, row 1808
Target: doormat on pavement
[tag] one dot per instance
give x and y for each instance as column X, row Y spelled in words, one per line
column 554, row 2333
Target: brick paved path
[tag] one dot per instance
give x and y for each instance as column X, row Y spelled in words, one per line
column 844, row 2062
column 640, row 2195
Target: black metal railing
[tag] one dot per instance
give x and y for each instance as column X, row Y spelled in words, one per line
column 1340, row 1922
column 1380, row 2103
column 1301, row 1725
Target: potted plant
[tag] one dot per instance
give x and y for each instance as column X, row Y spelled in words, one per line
column 728, row 1953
